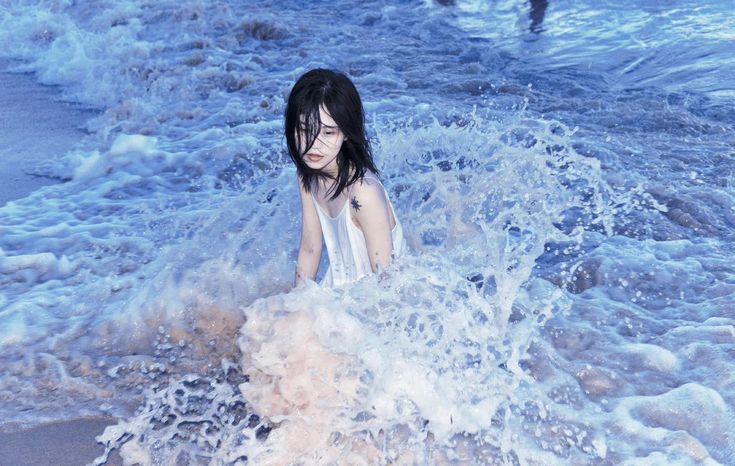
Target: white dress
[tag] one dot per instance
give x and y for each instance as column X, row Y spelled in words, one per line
column 346, row 247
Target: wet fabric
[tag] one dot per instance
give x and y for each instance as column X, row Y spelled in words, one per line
column 346, row 247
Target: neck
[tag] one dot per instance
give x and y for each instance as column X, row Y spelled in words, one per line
column 327, row 184
column 332, row 169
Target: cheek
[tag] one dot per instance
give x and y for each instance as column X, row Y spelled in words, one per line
column 337, row 142
column 301, row 142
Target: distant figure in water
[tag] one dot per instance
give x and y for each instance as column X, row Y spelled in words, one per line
column 344, row 205
column 537, row 13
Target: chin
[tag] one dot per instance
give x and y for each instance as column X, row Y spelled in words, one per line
column 320, row 165
column 315, row 166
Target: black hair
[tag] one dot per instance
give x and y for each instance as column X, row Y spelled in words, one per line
column 335, row 92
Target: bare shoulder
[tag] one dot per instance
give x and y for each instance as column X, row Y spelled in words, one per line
column 370, row 179
column 366, row 195
column 367, row 191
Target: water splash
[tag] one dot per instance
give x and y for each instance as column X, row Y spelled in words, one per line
column 429, row 362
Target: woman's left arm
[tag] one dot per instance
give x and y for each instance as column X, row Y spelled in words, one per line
column 371, row 212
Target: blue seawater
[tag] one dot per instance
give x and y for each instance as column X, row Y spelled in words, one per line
column 564, row 173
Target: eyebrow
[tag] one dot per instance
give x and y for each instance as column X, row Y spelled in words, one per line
column 303, row 125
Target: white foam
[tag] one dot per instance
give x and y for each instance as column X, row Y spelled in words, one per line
column 653, row 357
column 40, row 266
column 695, row 409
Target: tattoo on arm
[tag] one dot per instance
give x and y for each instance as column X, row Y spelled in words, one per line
column 355, row 205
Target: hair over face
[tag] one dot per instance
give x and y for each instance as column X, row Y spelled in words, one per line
column 334, row 92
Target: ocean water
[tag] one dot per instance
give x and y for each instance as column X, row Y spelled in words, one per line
column 564, row 174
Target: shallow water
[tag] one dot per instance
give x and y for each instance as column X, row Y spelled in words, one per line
column 563, row 174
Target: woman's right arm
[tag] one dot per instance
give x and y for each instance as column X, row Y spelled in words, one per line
column 310, row 249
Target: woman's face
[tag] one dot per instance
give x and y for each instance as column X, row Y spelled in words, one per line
column 323, row 153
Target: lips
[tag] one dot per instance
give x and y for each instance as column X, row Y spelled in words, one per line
column 313, row 157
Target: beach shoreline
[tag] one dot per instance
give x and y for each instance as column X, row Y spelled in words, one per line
column 562, row 171
column 35, row 125
column 62, row 443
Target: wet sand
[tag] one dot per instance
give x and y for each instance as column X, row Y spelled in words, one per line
column 66, row 443
column 35, row 125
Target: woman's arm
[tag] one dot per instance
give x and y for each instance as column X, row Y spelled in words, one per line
column 371, row 212
column 310, row 248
